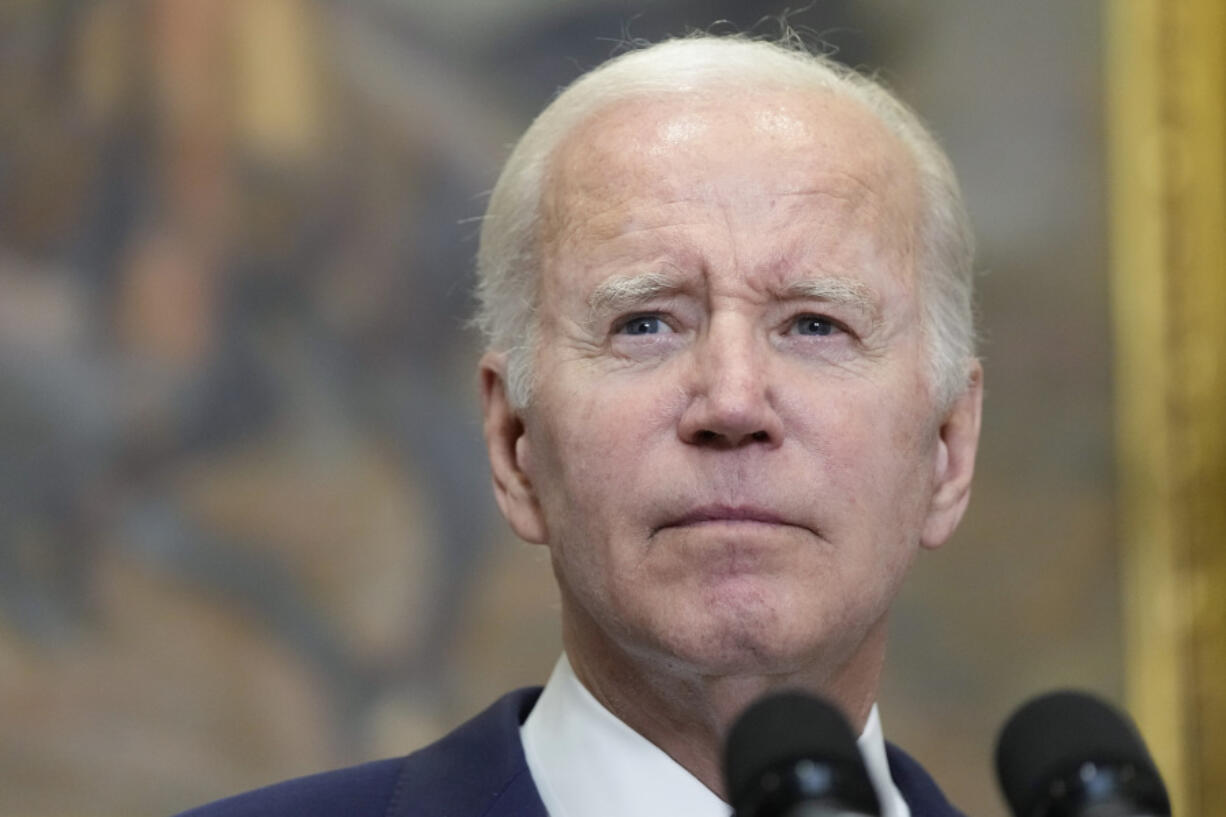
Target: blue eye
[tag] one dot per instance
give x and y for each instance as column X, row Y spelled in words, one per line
column 815, row 325
column 642, row 325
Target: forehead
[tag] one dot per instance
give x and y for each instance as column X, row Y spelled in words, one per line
column 765, row 156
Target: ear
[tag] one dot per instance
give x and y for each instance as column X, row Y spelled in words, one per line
column 509, row 453
column 955, row 462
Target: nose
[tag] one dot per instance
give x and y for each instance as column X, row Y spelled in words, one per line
column 731, row 399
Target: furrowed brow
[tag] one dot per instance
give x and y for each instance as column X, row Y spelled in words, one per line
column 627, row 291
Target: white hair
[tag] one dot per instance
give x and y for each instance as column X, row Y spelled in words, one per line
column 508, row 259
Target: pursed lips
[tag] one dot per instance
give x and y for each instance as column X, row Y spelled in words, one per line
column 713, row 514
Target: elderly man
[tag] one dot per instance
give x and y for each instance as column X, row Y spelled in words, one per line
column 731, row 386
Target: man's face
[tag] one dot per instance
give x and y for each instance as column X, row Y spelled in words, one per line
column 731, row 451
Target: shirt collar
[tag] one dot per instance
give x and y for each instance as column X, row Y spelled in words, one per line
column 588, row 763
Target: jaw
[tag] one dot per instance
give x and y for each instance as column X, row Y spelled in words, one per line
column 724, row 656
column 686, row 708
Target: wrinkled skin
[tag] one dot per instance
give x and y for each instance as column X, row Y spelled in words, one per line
column 732, row 451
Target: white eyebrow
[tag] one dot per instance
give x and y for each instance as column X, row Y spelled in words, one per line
column 626, row 291
column 837, row 290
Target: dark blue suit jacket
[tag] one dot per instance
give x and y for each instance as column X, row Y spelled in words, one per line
column 476, row 771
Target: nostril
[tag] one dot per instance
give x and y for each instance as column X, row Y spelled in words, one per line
column 760, row 436
column 706, row 435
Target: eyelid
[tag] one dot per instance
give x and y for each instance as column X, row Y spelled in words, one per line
column 620, row 324
column 840, row 326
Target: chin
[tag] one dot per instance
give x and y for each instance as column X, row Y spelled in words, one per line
column 738, row 644
column 738, row 658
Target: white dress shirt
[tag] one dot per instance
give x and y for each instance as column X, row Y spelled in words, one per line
column 587, row 763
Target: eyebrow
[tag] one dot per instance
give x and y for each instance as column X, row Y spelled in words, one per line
column 837, row 290
column 628, row 291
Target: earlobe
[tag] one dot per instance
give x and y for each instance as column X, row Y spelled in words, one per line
column 507, row 445
column 955, row 462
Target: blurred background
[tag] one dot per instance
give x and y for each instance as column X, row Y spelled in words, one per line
column 245, row 524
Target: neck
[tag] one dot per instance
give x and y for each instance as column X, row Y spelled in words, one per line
column 687, row 712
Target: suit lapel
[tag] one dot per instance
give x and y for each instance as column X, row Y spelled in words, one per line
column 920, row 791
column 476, row 771
column 479, row 770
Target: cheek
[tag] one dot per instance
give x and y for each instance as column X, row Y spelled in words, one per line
column 875, row 449
column 594, row 459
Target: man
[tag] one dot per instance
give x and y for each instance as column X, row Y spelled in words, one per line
column 731, row 386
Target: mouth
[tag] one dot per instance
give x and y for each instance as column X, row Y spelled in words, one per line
column 727, row 514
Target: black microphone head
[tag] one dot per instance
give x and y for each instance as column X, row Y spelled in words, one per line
column 791, row 747
column 1063, row 751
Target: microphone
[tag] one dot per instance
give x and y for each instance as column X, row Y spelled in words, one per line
column 1069, row 754
column 793, row 755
